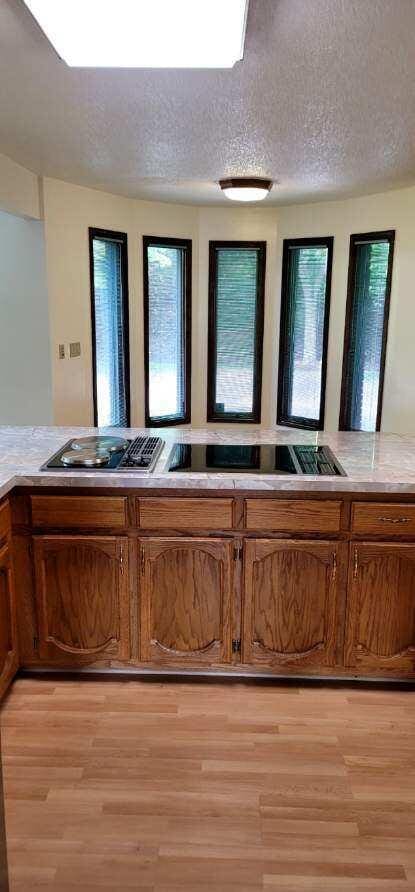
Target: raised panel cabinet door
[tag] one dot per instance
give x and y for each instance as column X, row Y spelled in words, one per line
column 8, row 632
column 82, row 597
column 185, row 600
column 380, row 632
column 293, row 603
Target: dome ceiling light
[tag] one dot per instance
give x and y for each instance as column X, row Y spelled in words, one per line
column 245, row 188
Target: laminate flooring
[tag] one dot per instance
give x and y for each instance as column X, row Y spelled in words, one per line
column 173, row 787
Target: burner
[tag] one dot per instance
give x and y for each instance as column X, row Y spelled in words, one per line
column 89, row 458
column 107, row 454
column 109, row 444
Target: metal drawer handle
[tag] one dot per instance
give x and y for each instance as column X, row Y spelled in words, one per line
column 394, row 519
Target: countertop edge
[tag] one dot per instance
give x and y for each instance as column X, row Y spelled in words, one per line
column 233, row 484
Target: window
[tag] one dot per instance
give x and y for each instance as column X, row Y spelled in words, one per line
column 109, row 305
column 305, row 307
column 167, row 329
column 236, row 321
column 368, row 296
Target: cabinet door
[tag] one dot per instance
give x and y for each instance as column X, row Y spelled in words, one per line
column 380, row 635
column 186, row 587
column 8, row 634
column 82, row 597
column 293, row 603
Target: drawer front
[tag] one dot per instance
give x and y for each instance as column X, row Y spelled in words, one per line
column 289, row 515
column 184, row 514
column 78, row 512
column 383, row 519
column 4, row 521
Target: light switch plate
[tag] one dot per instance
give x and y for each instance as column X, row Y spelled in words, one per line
column 74, row 349
column 61, row 351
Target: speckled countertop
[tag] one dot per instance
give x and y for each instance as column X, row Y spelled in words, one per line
column 383, row 463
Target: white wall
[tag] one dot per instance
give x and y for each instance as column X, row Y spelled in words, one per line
column 25, row 371
column 70, row 210
column 19, row 189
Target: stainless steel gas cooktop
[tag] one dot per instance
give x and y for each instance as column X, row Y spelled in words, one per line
column 258, row 459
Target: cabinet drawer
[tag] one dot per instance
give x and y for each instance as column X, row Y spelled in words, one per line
column 383, row 519
column 289, row 515
column 4, row 521
column 77, row 512
column 184, row 514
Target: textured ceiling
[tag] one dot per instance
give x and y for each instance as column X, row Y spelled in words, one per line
column 323, row 103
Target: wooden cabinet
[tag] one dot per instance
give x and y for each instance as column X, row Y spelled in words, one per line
column 383, row 519
column 293, row 603
column 380, row 634
column 8, row 632
column 185, row 600
column 82, row 597
column 293, row 515
column 5, row 523
column 184, row 514
column 79, row 512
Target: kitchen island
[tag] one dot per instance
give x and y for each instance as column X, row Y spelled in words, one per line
column 218, row 573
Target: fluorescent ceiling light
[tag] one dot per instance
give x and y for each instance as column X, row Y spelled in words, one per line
column 144, row 33
column 246, row 188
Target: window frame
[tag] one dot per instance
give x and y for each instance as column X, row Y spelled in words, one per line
column 121, row 239
column 186, row 244
column 283, row 416
column 380, row 236
column 253, row 417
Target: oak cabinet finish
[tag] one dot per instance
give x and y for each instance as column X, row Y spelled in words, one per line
column 380, row 633
column 82, row 597
column 293, row 603
column 4, row 522
column 79, row 512
column 8, row 630
column 262, row 583
column 293, row 515
column 184, row 514
column 383, row 519
column 186, row 599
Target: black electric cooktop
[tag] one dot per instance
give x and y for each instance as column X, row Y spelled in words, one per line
column 264, row 459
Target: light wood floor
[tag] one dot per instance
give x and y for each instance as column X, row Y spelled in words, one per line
column 177, row 787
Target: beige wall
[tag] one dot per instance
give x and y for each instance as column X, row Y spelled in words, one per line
column 390, row 210
column 25, row 370
column 70, row 210
column 19, row 190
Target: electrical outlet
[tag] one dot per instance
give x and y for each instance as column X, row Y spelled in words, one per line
column 74, row 349
column 61, row 351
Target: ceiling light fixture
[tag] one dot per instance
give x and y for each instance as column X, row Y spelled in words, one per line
column 246, row 188
column 144, row 33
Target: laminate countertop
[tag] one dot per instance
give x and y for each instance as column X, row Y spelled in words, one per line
column 374, row 463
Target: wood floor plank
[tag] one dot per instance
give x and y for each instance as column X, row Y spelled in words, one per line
column 164, row 787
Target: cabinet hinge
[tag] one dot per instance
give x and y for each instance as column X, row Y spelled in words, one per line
column 122, row 561
column 35, row 643
column 236, row 646
column 237, row 551
column 334, row 571
column 142, row 560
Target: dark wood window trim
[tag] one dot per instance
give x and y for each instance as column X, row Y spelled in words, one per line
column 283, row 416
column 389, row 236
column 186, row 244
column 255, row 416
column 121, row 239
